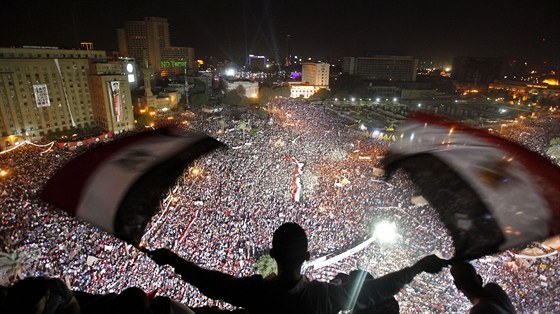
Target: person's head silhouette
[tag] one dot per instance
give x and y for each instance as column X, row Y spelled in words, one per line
column 289, row 247
column 465, row 277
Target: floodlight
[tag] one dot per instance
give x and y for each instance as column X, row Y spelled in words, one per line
column 230, row 72
column 385, row 231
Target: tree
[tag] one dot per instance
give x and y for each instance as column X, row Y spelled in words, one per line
column 241, row 90
column 265, row 95
column 283, row 91
column 342, row 94
column 12, row 265
column 321, row 94
column 198, row 87
column 232, row 98
column 348, row 85
column 554, row 153
column 266, row 266
column 554, row 141
column 199, row 99
column 143, row 121
column 244, row 127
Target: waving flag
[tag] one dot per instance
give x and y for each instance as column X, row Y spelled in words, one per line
column 296, row 191
column 118, row 186
column 490, row 193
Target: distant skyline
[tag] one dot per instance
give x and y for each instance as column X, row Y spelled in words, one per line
column 430, row 30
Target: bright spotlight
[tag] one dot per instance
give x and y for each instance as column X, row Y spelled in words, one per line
column 230, row 72
column 377, row 99
column 385, row 231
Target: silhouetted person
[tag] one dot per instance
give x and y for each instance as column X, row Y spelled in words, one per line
column 41, row 296
column 164, row 305
column 130, row 300
column 289, row 291
column 487, row 299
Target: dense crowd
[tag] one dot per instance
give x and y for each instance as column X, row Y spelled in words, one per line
column 222, row 212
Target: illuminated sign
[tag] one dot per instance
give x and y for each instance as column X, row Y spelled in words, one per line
column 173, row 64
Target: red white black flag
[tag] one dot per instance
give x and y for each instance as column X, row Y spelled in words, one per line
column 118, row 186
column 492, row 194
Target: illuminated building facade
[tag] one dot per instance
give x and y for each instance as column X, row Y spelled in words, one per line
column 251, row 88
column 45, row 89
column 148, row 41
column 111, row 98
column 382, row 68
column 315, row 74
column 86, row 45
column 299, row 90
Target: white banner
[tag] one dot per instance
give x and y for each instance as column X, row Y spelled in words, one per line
column 41, row 95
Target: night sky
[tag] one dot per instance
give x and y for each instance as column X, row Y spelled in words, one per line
column 431, row 29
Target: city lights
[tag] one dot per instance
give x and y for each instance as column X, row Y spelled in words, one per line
column 195, row 171
column 316, row 101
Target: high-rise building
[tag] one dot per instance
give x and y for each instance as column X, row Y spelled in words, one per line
column 110, row 93
column 383, row 68
column 288, row 57
column 45, row 89
column 256, row 62
column 315, row 74
column 148, row 42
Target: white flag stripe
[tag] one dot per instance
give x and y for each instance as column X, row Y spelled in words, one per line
column 517, row 205
column 101, row 198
